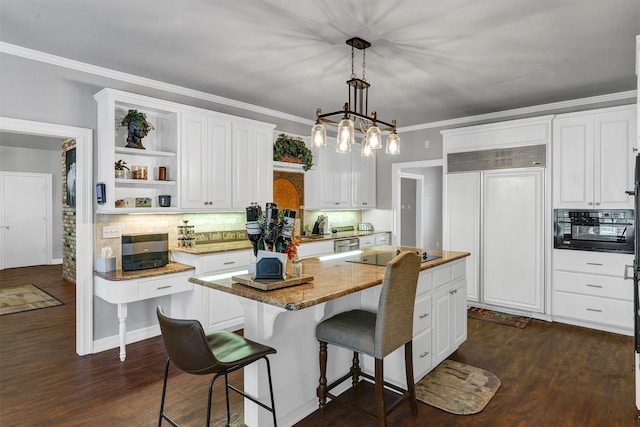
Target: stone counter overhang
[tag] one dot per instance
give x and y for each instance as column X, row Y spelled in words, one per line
column 333, row 279
column 212, row 248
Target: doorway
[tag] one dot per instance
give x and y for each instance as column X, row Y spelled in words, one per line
column 428, row 228
column 85, row 228
column 25, row 217
column 410, row 209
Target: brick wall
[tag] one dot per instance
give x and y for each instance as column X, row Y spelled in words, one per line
column 68, row 220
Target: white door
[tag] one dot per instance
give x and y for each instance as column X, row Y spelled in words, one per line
column 513, row 246
column 25, row 219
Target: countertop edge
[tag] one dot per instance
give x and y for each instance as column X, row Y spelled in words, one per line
column 119, row 275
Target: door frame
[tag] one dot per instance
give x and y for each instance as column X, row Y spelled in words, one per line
column 397, row 169
column 85, row 226
column 419, row 179
column 48, row 203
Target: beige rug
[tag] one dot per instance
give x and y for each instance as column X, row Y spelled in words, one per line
column 15, row 299
column 457, row 388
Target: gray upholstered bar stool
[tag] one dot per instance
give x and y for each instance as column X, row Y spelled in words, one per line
column 377, row 335
column 218, row 353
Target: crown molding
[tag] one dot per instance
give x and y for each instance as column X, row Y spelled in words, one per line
column 628, row 95
column 59, row 61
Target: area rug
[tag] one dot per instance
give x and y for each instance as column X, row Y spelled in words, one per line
column 15, row 299
column 457, row 388
column 497, row 317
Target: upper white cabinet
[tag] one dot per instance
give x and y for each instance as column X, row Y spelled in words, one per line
column 213, row 161
column 252, row 164
column 161, row 145
column 206, row 162
column 593, row 158
column 363, row 175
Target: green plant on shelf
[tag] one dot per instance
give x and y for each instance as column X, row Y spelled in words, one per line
column 121, row 165
column 292, row 149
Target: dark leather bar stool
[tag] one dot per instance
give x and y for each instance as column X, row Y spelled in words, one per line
column 218, row 353
column 377, row 335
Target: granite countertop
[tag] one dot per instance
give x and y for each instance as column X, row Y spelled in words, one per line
column 332, row 279
column 172, row 267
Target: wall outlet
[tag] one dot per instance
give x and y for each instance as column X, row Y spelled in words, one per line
column 111, row 231
column 427, row 144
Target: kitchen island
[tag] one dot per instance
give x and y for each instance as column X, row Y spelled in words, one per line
column 286, row 319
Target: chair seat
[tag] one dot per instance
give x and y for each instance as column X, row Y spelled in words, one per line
column 353, row 330
column 231, row 349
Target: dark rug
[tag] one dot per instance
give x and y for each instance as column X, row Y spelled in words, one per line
column 457, row 388
column 16, row 299
column 497, row 317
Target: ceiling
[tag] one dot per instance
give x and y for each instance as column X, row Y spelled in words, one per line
column 430, row 60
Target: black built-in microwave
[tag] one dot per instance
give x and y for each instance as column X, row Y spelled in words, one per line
column 594, row 230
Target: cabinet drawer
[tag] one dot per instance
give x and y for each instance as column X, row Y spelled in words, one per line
column 441, row 275
column 422, row 354
column 226, row 261
column 593, row 284
column 163, row 286
column 458, row 269
column 593, row 309
column 422, row 314
column 381, row 239
column 425, row 280
column 591, row 262
column 367, row 242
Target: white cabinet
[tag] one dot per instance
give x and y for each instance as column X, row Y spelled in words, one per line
column 498, row 217
column 379, row 239
column 589, row 289
column 252, row 164
column 593, row 158
column 363, row 176
column 439, row 321
column 315, row 249
column 216, row 310
column 160, row 150
column 205, row 150
column 336, row 176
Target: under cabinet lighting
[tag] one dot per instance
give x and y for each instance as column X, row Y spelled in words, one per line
column 339, row 255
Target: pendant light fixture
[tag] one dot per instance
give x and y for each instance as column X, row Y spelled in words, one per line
column 355, row 117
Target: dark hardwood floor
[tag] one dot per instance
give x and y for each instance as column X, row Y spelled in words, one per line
column 552, row 375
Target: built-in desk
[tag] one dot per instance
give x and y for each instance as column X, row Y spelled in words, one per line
column 122, row 287
column 286, row 318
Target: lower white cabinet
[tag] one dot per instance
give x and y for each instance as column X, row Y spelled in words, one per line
column 379, row 239
column 439, row 324
column 589, row 290
column 214, row 309
column 314, row 249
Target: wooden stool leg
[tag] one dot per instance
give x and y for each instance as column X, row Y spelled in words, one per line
column 355, row 369
column 411, row 388
column 321, row 392
column 379, row 379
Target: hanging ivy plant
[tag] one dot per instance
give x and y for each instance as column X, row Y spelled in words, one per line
column 292, row 149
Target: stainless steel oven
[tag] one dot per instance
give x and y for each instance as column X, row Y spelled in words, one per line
column 594, row 230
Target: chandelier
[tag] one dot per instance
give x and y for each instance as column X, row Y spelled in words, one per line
column 355, row 117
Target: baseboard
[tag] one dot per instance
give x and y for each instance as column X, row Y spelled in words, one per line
column 113, row 341
column 56, row 261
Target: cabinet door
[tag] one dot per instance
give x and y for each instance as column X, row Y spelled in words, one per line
column 313, row 181
column 363, row 173
column 194, row 162
column 462, row 223
column 459, row 312
column 614, row 159
column 513, row 252
column 252, row 165
column 442, row 324
column 573, row 162
column 219, row 168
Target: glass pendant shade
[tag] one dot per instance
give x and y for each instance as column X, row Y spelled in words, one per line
column 374, row 137
column 343, row 147
column 318, row 136
column 393, row 144
column 366, row 149
column 346, row 132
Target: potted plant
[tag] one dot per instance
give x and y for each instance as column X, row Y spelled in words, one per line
column 120, row 167
column 293, row 150
column 137, row 126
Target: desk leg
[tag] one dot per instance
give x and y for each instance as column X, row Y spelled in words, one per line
column 122, row 316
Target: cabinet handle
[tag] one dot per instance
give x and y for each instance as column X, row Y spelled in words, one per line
column 597, row 203
column 424, row 354
column 423, row 315
column 626, row 272
column 634, row 149
column 594, row 286
column 630, row 192
column 594, row 309
column 594, row 263
column 163, row 287
column 590, row 203
column 229, row 262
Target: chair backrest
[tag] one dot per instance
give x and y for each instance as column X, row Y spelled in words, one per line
column 186, row 344
column 394, row 321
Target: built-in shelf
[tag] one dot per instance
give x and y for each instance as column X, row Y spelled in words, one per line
column 139, row 152
column 142, row 182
